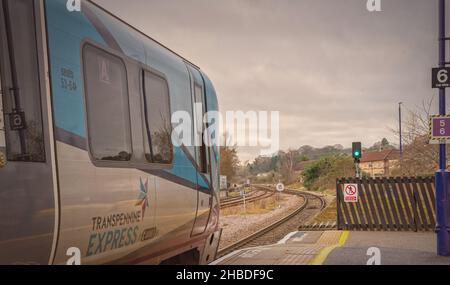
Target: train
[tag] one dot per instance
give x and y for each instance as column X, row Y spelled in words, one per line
column 89, row 173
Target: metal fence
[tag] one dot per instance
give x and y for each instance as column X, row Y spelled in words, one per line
column 388, row 204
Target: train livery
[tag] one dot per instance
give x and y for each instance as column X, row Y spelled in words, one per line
column 87, row 164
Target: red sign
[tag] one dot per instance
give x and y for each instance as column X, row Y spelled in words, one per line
column 350, row 193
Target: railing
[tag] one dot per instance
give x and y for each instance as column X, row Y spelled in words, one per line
column 388, row 204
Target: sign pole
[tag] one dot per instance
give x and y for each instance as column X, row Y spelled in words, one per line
column 280, row 188
column 358, row 169
column 245, row 206
column 442, row 176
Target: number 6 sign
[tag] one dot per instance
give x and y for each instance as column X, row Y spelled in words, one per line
column 441, row 77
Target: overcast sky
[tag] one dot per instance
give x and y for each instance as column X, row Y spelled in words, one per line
column 334, row 71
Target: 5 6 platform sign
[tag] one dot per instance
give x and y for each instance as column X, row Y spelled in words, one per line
column 439, row 129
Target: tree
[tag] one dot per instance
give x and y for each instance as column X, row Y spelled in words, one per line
column 384, row 144
column 229, row 161
column 287, row 166
column 419, row 158
column 301, row 158
column 323, row 173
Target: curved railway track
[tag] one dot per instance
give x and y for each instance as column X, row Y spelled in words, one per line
column 237, row 198
column 274, row 232
column 251, row 198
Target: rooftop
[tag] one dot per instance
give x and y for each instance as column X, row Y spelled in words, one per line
column 382, row 155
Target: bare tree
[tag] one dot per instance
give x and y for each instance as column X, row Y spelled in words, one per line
column 287, row 166
column 419, row 156
column 229, row 160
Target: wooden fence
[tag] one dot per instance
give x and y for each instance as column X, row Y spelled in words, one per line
column 388, row 204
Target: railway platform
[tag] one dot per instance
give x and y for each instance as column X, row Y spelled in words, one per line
column 342, row 248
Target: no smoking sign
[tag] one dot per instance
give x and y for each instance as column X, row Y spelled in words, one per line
column 350, row 193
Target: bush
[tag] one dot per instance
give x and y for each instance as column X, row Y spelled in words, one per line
column 322, row 174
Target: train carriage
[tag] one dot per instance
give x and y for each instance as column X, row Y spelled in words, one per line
column 87, row 163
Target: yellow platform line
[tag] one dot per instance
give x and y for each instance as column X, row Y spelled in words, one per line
column 320, row 258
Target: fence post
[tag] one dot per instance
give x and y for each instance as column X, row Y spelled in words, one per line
column 338, row 206
column 415, row 213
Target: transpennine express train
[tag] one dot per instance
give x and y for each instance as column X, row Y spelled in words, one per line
column 87, row 165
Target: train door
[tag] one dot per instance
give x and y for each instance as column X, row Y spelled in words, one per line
column 27, row 203
column 204, row 194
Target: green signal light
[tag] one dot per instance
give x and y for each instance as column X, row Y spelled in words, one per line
column 357, row 153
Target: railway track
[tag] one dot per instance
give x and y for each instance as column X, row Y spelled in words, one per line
column 274, row 232
column 237, row 198
column 263, row 194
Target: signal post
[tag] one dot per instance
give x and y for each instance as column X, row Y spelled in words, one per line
column 440, row 134
column 357, row 154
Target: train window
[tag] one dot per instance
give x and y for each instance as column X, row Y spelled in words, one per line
column 22, row 110
column 200, row 109
column 157, row 119
column 108, row 117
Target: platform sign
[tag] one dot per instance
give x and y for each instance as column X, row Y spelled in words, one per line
column 441, row 77
column 280, row 187
column 223, row 182
column 17, row 121
column 350, row 193
column 439, row 129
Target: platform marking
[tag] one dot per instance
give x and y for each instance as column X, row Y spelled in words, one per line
column 320, row 258
column 289, row 236
column 223, row 258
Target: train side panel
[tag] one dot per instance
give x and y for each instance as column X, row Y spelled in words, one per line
column 28, row 208
column 127, row 211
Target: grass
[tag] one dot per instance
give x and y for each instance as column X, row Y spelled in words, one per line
column 254, row 208
column 237, row 193
column 329, row 214
column 296, row 186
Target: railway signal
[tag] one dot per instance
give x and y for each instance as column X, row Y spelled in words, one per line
column 357, row 150
column 357, row 154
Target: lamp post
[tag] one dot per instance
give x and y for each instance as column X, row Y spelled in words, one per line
column 400, row 127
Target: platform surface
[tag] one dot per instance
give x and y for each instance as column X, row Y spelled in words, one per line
column 396, row 248
column 342, row 248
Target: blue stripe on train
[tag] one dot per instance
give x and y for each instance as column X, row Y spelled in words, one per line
column 66, row 33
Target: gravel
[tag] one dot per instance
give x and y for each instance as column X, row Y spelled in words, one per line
column 236, row 227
